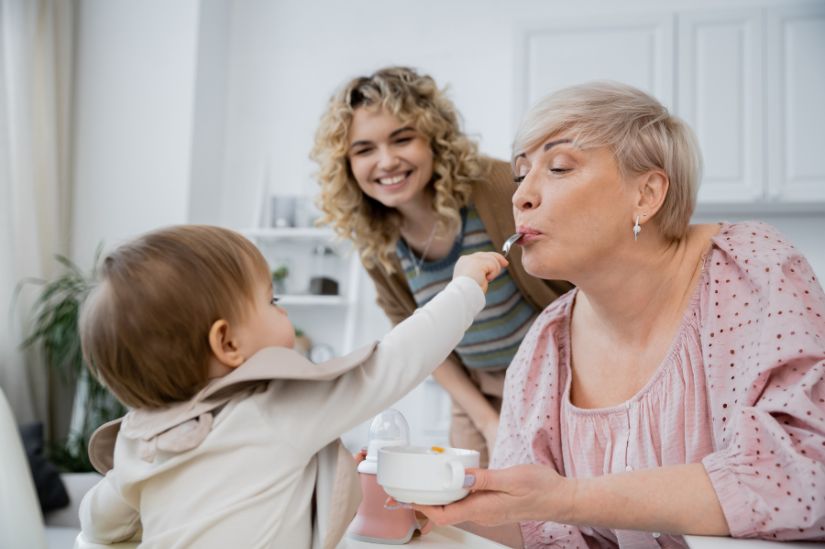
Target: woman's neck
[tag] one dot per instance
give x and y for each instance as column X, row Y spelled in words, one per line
column 418, row 221
column 417, row 215
column 646, row 289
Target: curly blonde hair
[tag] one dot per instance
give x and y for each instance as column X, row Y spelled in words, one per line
column 414, row 99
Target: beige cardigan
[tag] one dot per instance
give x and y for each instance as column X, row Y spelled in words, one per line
column 254, row 459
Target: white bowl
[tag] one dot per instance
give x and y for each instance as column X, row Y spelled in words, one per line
column 418, row 474
column 425, row 497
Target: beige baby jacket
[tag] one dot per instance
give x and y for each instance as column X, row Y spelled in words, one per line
column 254, row 459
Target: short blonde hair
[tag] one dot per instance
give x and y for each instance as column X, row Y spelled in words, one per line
column 415, row 99
column 641, row 132
column 145, row 327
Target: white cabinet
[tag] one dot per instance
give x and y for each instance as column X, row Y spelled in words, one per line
column 720, row 95
column 308, row 253
column 749, row 81
column 637, row 50
column 751, row 84
column 796, row 103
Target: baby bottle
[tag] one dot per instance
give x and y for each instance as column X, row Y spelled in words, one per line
column 373, row 522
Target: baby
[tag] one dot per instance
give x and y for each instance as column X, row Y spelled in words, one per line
column 232, row 438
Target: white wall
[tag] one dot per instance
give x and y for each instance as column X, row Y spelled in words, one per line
column 135, row 89
column 209, row 112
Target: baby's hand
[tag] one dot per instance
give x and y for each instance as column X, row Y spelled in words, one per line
column 480, row 266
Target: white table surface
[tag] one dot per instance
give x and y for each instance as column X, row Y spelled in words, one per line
column 440, row 537
column 449, row 537
column 714, row 542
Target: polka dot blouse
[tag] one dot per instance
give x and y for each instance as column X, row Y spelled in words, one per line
column 741, row 390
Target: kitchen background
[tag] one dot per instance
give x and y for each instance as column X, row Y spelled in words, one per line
column 204, row 110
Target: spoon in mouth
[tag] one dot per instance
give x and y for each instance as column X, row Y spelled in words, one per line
column 505, row 249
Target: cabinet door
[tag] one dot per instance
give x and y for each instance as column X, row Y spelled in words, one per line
column 720, row 96
column 796, row 103
column 635, row 50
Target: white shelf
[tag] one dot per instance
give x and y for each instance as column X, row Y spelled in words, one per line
column 329, row 300
column 291, row 233
column 329, row 319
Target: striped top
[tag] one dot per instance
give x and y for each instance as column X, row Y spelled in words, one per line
column 495, row 335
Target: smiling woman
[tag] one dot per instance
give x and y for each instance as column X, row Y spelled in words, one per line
column 400, row 179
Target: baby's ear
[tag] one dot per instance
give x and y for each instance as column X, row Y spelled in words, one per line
column 223, row 344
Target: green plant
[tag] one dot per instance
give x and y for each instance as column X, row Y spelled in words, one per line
column 55, row 331
column 279, row 278
column 280, row 273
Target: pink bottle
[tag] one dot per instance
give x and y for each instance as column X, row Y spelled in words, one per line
column 373, row 522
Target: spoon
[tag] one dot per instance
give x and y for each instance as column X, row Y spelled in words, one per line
column 505, row 249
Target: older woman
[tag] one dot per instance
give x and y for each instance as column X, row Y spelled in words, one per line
column 679, row 389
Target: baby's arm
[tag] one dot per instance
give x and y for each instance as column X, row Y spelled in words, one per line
column 105, row 517
column 405, row 356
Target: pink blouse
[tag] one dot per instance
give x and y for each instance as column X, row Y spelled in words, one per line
column 741, row 390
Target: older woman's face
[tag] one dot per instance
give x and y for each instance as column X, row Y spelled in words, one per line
column 572, row 206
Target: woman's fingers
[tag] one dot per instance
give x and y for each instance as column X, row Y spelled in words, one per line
column 481, row 507
column 498, row 496
column 442, row 514
column 489, row 479
column 477, row 507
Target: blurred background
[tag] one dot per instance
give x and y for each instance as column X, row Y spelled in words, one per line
column 120, row 116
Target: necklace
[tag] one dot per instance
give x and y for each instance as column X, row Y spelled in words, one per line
column 417, row 262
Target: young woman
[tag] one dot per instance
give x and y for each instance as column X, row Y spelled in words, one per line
column 400, row 179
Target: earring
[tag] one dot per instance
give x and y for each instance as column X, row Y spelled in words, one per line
column 636, row 229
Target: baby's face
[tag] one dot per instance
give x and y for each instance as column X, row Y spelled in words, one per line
column 266, row 324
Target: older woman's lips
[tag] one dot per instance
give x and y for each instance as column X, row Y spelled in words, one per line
column 528, row 235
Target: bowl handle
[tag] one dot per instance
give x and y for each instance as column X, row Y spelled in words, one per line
column 456, row 476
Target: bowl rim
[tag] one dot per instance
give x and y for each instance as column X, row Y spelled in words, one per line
column 414, row 450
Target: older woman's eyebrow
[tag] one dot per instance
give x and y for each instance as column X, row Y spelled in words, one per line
column 547, row 146
column 550, row 144
column 395, row 133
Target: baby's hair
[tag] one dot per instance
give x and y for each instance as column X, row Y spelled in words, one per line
column 145, row 327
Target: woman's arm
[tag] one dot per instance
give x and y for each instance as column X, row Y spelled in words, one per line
column 453, row 377
column 675, row 499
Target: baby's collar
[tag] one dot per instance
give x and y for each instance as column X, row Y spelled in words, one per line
column 184, row 426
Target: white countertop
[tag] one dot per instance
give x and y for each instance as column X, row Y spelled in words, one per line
column 449, row 537
column 715, row 542
column 441, row 537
